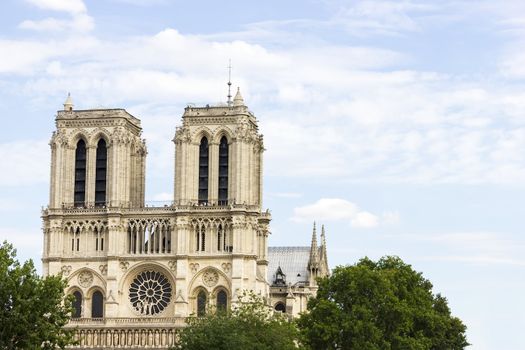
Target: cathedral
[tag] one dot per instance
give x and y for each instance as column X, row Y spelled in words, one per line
column 136, row 272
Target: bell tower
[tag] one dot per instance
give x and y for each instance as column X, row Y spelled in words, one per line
column 97, row 160
column 218, row 156
column 137, row 272
column 218, row 193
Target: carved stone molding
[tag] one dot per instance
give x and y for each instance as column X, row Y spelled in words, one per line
column 182, row 135
column 194, row 267
column 172, row 264
column 66, row 270
column 103, row 269
column 124, row 265
column 85, row 279
column 226, row 267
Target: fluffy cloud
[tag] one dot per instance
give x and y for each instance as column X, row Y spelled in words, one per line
column 333, row 111
column 335, row 209
column 26, row 162
column 70, row 6
column 79, row 21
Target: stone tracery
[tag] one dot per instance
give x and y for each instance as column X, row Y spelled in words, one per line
column 150, row 293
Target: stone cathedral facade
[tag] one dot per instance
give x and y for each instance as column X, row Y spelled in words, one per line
column 137, row 272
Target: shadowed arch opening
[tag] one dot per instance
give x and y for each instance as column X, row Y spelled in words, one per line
column 80, row 173
column 97, row 304
column 77, row 305
column 222, row 301
column 223, row 171
column 280, row 307
column 203, row 170
column 202, row 300
column 101, row 173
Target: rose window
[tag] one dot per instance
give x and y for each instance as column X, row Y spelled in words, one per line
column 150, row 293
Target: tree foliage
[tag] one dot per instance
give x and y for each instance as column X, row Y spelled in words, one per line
column 379, row 305
column 33, row 309
column 249, row 326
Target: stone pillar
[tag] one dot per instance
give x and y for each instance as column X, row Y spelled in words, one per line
column 213, row 173
column 181, row 288
column 91, row 165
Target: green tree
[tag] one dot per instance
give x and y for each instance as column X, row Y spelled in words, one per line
column 250, row 326
column 379, row 305
column 33, row 309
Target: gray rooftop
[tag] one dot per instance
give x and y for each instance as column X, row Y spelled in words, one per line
column 293, row 262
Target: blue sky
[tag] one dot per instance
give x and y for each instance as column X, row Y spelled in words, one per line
column 400, row 125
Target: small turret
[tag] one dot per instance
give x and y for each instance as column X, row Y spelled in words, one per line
column 238, row 100
column 68, row 104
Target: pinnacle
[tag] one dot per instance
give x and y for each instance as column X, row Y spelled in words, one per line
column 238, row 100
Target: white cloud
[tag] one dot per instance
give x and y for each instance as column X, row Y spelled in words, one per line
column 27, row 162
column 380, row 17
column 365, row 220
column 336, row 209
column 79, row 21
column 82, row 23
column 344, row 107
column 70, row 6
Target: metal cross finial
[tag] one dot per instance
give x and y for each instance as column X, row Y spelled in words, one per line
column 229, row 82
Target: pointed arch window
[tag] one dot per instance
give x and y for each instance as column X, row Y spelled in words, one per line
column 222, row 301
column 201, row 303
column 99, row 239
column 77, row 305
column 203, row 170
column 101, row 173
column 223, row 171
column 80, row 174
column 75, row 240
column 201, row 238
column 220, row 238
column 97, row 304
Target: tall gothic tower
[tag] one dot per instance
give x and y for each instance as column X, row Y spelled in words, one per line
column 137, row 271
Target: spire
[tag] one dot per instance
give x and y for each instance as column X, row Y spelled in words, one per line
column 314, row 251
column 323, row 239
column 238, row 100
column 229, row 83
column 324, row 254
column 68, row 104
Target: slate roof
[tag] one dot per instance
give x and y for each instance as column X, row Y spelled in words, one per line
column 293, row 262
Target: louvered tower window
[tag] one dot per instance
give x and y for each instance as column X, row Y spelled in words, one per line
column 203, row 171
column 80, row 173
column 223, row 171
column 101, row 173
